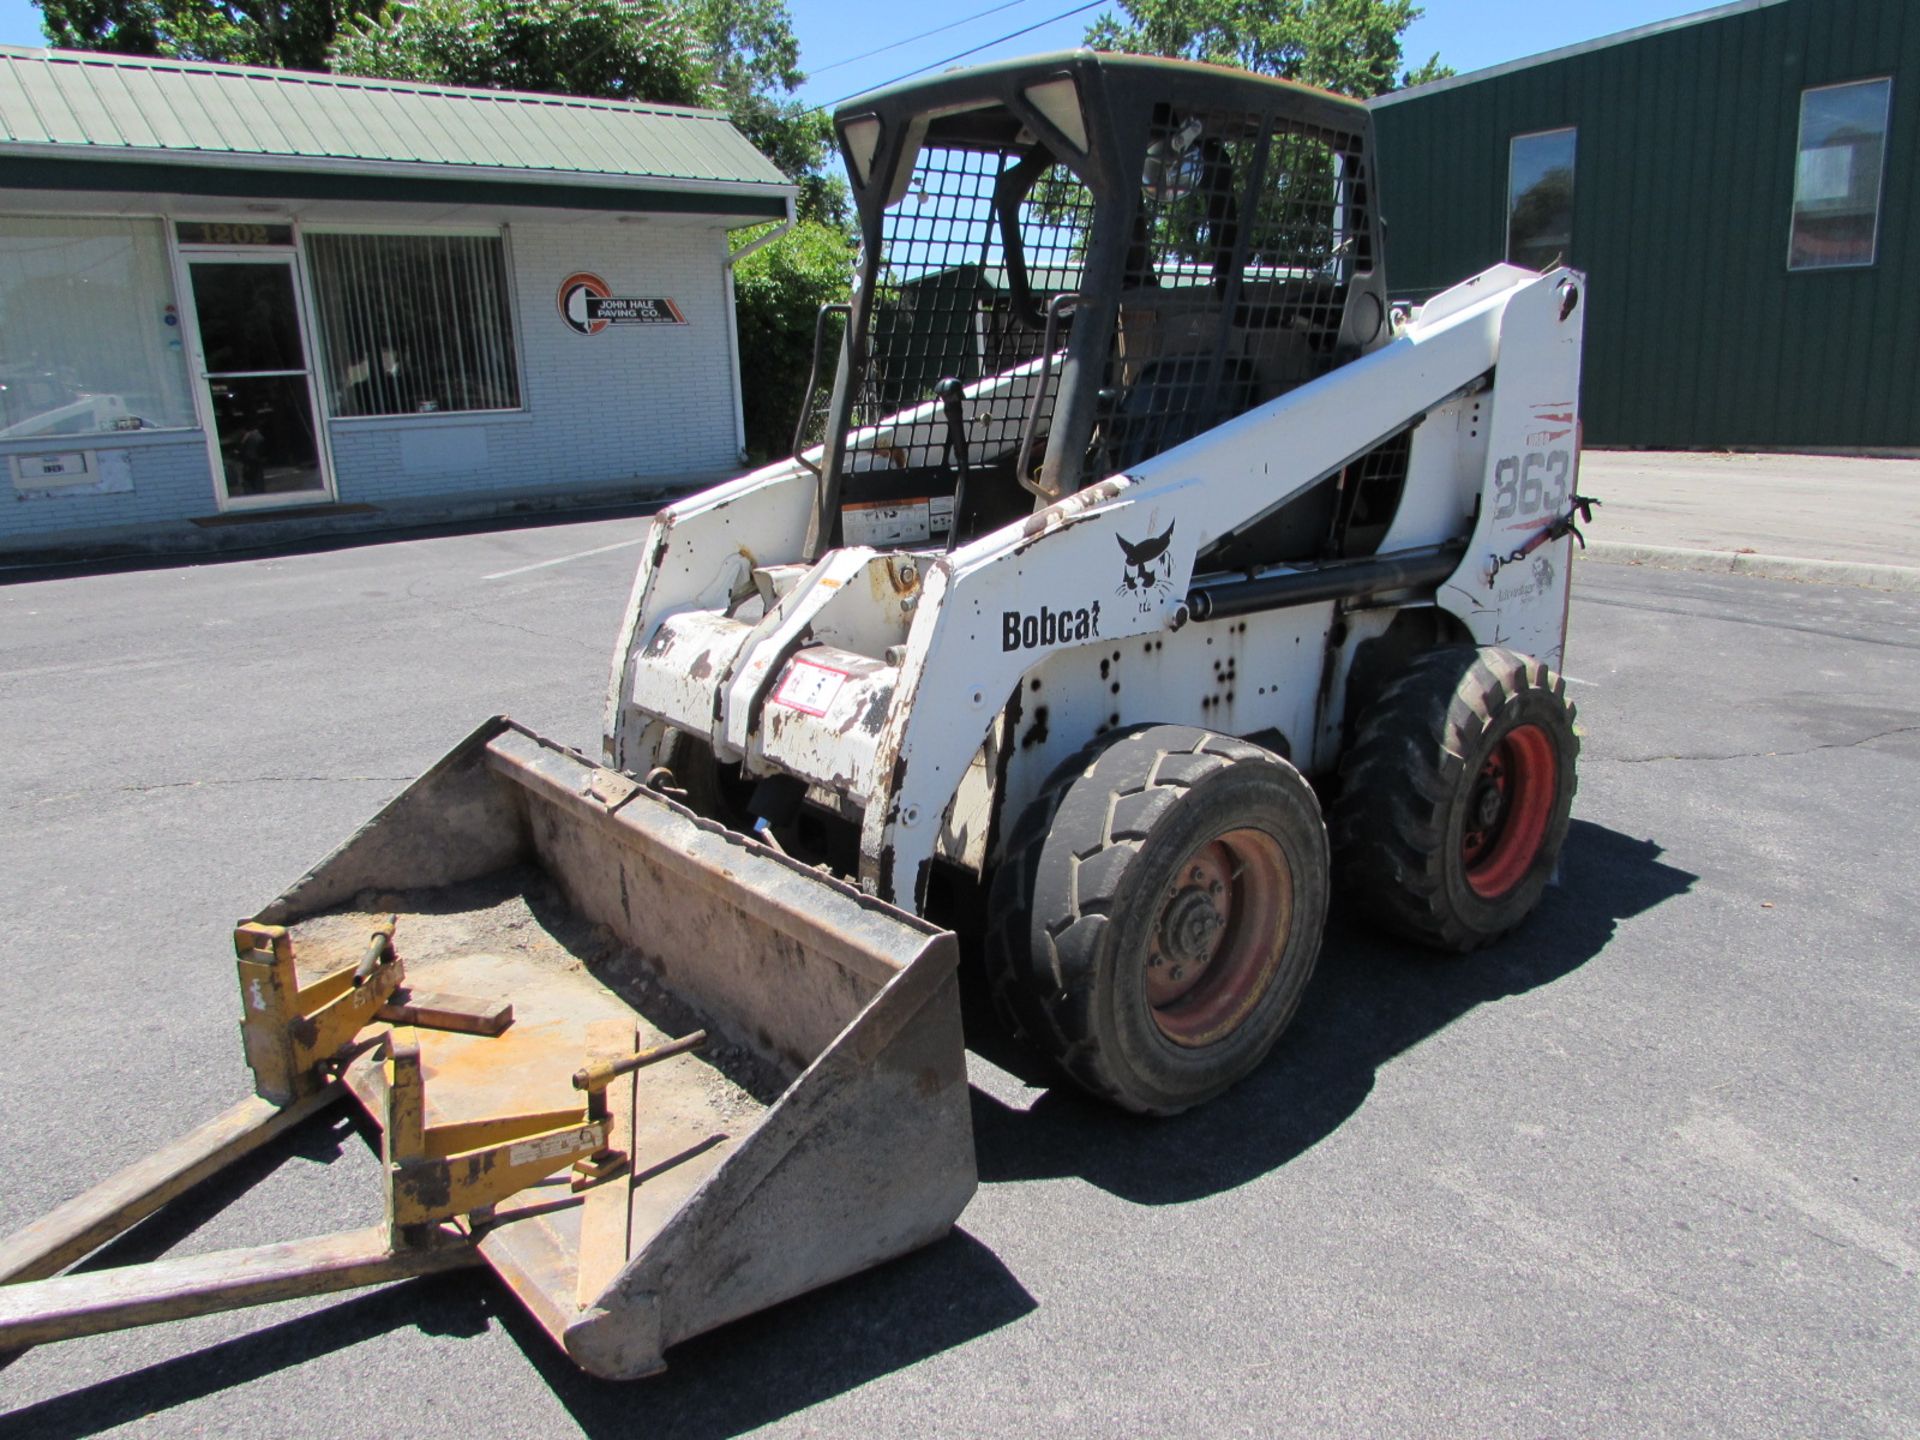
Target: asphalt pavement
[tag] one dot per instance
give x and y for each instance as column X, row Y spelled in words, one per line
column 1647, row 1167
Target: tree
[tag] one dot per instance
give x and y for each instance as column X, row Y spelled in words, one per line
column 1349, row 46
column 604, row 49
column 283, row 34
column 778, row 292
column 754, row 61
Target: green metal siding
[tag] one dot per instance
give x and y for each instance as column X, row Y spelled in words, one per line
column 1698, row 336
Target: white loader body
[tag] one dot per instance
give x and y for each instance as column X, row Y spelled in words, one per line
column 929, row 694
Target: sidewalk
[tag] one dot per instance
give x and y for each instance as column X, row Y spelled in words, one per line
column 1807, row 517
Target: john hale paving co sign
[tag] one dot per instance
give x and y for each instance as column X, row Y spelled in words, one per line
column 588, row 305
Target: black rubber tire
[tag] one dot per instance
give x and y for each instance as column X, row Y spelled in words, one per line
column 1411, row 778
column 712, row 790
column 1077, row 902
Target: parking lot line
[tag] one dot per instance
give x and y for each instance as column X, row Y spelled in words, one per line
column 563, row 559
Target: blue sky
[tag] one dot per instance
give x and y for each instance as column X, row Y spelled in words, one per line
column 1469, row 34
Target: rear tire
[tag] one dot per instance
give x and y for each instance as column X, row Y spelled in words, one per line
column 1159, row 913
column 1455, row 797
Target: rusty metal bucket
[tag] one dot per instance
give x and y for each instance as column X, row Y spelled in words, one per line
column 824, row 1129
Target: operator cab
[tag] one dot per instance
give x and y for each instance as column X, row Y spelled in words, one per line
column 1074, row 263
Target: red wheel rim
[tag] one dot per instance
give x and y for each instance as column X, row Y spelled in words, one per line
column 1218, row 936
column 1509, row 810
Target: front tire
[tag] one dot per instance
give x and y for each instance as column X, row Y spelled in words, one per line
column 1455, row 797
column 707, row 787
column 1159, row 913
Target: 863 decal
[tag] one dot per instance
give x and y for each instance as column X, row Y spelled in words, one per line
column 1538, row 482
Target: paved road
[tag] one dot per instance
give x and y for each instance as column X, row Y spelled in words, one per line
column 1648, row 1167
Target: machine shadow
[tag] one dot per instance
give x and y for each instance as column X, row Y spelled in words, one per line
column 1370, row 1000
column 745, row 1375
column 321, row 1140
column 439, row 1305
column 762, row 1368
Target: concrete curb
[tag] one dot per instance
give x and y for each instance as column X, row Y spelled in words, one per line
column 1769, row 567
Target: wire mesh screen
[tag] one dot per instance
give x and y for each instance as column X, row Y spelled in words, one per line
column 954, row 295
column 1236, row 280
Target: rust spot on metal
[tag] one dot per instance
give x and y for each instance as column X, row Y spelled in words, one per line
column 701, row 667
column 430, row 1186
column 1037, row 733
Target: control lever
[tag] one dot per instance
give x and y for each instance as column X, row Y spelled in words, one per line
column 953, row 398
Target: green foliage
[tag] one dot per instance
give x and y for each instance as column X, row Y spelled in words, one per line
column 607, row 49
column 1349, row 46
column 778, row 292
column 285, row 34
column 754, row 61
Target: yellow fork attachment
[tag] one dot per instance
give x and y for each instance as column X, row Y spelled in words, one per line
column 439, row 1172
column 433, row 1176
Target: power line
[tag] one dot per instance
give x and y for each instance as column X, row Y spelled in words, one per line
column 970, row 50
column 924, row 34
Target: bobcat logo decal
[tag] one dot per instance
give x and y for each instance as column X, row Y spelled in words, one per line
column 1143, row 571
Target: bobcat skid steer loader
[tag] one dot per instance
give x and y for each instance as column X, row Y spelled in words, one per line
column 1137, row 521
column 1137, row 510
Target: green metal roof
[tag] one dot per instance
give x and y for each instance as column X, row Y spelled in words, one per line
column 72, row 105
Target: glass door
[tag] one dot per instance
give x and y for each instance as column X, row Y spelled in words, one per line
column 257, row 368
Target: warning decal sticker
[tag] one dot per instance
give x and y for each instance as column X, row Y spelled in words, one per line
column 810, row 687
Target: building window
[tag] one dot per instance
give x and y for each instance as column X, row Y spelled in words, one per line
column 1836, row 178
column 414, row 324
column 89, row 334
column 1540, row 198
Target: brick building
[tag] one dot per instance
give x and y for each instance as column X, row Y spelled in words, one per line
column 226, row 290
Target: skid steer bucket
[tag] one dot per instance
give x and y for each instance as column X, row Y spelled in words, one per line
column 824, row 1127
column 654, row 1074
